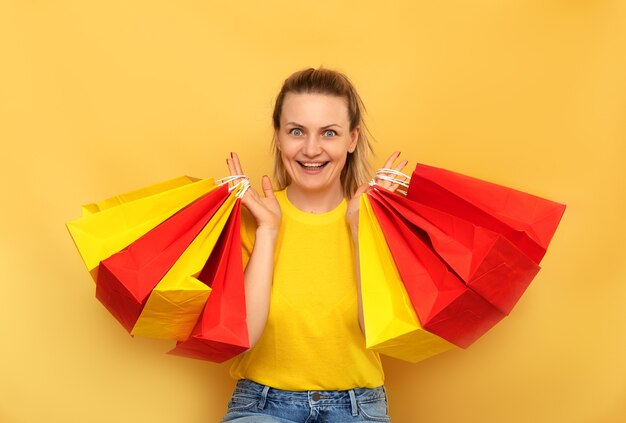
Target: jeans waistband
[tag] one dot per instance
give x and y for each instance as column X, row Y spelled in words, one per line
column 359, row 395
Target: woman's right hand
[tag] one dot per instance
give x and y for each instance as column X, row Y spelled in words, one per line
column 266, row 210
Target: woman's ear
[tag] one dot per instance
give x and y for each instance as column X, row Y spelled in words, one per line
column 276, row 141
column 354, row 137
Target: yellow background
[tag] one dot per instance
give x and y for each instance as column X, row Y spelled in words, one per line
column 98, row 98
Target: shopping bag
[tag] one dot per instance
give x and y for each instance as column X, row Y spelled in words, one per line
column 391, row 324
column 221, row 332
column 486, row 261
column 111, row 225
column 126, row 279
column 445, row 305
column 174, row 305
column 526, row 220
column 138, row 194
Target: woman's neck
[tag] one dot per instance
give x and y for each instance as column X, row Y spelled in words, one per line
column 315, row 201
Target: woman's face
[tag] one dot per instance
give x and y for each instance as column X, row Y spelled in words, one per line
column 314, row 140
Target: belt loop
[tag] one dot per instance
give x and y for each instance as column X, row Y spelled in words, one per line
column 263, row 397
column 355, row 409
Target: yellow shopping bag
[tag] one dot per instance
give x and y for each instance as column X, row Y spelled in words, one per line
column 391, row 325
column 111, row 225
column 138, row 194
column 175, row 304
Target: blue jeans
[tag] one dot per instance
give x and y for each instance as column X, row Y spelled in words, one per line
column 255, row 403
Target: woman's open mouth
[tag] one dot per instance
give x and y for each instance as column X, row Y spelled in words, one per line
column 312, row 167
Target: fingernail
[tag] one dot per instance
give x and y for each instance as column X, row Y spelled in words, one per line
column 231, row 154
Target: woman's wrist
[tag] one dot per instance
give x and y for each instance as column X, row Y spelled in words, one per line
column 267, row 233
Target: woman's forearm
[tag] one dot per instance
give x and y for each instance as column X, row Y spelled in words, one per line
column 258, row 283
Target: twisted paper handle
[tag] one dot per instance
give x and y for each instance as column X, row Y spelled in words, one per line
column 241, row 186
column 229, row 179
column 384, row 174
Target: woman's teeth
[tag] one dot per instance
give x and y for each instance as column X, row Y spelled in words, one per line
column 312, row 165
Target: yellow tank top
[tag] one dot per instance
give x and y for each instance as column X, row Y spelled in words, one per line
column 312, row 339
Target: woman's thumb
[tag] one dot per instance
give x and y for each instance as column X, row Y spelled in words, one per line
column 266, row 184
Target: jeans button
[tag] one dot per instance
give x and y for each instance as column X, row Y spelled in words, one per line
column 315, row 396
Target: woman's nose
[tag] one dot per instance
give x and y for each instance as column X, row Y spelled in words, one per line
column 312, row 146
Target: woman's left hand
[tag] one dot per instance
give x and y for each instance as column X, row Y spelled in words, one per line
column 352, row 214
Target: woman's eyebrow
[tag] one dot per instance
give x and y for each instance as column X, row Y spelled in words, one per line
column 323, row 127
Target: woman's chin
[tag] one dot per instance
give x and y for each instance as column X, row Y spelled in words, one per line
column 311, row 183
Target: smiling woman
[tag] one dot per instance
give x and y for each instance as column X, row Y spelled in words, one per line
column 308, row 359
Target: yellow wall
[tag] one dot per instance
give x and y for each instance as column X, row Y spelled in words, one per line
column 97, row 98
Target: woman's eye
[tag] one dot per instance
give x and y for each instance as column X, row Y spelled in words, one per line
column 296, row 132
column 329, row 133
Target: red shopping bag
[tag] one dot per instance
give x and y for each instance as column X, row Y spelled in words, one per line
column 486, row 261
column 126, row 279
column 221, row 332
column 528, row 221
column 445, row 305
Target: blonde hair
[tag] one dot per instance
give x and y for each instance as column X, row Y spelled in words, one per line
column 356, row 171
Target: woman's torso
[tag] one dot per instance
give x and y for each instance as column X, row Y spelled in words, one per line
column 312, row 338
